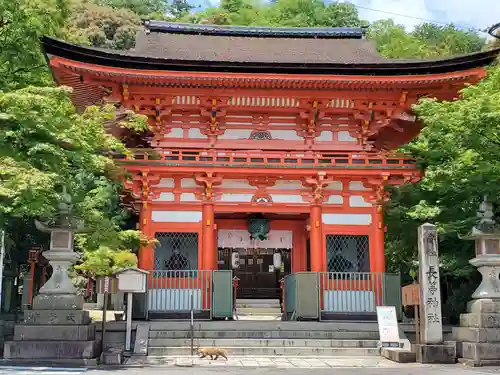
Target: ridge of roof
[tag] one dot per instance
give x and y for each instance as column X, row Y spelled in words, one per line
column 153, row 26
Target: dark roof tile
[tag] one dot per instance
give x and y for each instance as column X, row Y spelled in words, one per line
column 255, row 49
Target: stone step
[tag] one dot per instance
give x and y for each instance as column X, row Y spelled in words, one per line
column 250, row 301
column 226, row 343
column 258, row 310
column 180, row 325
column 275, row 334
column 258, row 306
column 273, row 351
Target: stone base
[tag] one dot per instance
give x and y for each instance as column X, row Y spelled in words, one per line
column 398, row 355
column 58, row 302
column 112, row 358
column 480, row 320
column 54, row 350
column 471, row 334
column 479, row 351
column 54, row 333
column 56, row 317
column 436, row 353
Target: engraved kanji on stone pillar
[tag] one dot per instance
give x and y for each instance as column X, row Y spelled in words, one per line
column 430, row 292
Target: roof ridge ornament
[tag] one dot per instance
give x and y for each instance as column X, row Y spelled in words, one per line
column 152, row 26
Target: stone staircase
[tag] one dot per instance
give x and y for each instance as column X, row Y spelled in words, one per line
column 258, row 309
column 266, row 338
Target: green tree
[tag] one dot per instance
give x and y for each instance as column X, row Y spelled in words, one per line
column 22, row 23
column 103, row 26
column 139, row 7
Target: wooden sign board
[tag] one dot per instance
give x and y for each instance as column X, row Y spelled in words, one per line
column 411, row 295
column 387, row 325
column 106, row 284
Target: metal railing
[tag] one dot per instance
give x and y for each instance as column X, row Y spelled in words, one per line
column 351, row 292
column 179, row 291
column 339, row 293
column 270, row 159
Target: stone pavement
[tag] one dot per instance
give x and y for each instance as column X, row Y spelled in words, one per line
column 21, row 370
column 276, row 362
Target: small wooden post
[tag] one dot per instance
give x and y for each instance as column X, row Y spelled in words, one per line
column 411, row 297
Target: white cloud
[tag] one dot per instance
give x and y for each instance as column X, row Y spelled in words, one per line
column 478, row 14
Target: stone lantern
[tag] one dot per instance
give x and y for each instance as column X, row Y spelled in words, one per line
column 479, row 331
column 57, row 328
column 487, row 242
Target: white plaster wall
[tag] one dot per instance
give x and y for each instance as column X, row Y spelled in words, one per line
column 287, row 198
column 347, row 219
column 335, row 185
column 335, row 199
column 165, row 197
column 286, row 185
column 188, row 197
column 175, row 133
column 344, row 136
column 188, row 183
column 357, row 186
column 325, row 136
column 358, row 201
column 236, row 134
column 286, row 135
column 166, row 182
column 228, row 197
column 176, row 216
column 236, row 184
column 196, row 133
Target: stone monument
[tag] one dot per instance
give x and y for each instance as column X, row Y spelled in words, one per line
column 479, row 333
column 56, row 328
column 431, row 349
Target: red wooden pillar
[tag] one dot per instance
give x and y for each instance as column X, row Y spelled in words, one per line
column 146, row 258
column 316, row 239
column 377, row 253
column 209, row 253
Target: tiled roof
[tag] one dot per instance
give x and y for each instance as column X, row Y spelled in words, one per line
column 255, row 31
column 256, row 49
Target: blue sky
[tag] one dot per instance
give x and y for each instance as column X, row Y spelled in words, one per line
column 477, row 14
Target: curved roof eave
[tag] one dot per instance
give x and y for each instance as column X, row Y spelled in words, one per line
column 121, row 59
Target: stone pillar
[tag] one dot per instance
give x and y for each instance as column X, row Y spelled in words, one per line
column 57, row 328
column 432, row 349
column 478, row 337
column 316, row 239
column 209, row 257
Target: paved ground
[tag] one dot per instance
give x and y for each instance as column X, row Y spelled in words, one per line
column 162, row 370
column 275, row 362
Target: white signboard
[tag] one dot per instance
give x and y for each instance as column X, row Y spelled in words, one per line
column 132, row 281
column 387, row 324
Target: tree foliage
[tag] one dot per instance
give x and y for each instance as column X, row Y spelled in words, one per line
column 103, row 26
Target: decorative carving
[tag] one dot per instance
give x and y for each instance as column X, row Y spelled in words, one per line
column 215, row 114
column 261, row 197
column 318, row 184
column 261, row 135
column 141, row 186
column 261, row 182
column 311, row 115
column 208, row 180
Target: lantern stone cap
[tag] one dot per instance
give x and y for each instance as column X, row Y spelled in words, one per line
column 133, row 269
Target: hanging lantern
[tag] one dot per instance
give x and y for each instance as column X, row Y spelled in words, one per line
column 277, row 260
column 258, row 228
column 235, row 260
